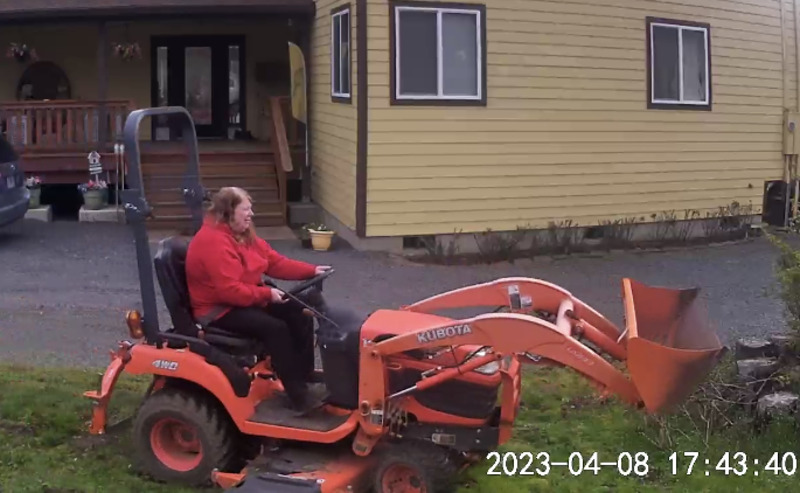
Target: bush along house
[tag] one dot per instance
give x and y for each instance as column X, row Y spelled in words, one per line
column 427, row 118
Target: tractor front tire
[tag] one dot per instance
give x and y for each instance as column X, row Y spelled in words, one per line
column 418, row 467
column 181, row 436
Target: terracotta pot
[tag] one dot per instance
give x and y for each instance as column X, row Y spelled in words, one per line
column 321, row 240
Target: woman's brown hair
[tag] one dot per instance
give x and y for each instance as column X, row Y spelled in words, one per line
column 224, row 202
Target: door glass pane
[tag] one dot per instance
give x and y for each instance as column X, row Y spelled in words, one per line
column 460, row 54
column 234, row 84
column 198, row 84
column 162, row 78
column 417, row 52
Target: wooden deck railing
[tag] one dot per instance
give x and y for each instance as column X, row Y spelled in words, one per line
column 62, row 125
column 280, row 147
column 295, row 131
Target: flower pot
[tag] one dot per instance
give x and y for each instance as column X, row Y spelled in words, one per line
column 321, row 240
column 95, row 199
column 36, row 197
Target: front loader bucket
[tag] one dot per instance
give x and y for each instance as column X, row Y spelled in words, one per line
column 670, row 344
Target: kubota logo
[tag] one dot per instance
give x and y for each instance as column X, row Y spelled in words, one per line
column 443, row 333
column 163, row 364
column 580, row 356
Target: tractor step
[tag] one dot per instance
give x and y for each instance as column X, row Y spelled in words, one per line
column 276, row 411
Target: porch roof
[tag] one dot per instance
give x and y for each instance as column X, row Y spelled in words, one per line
column 50, row 9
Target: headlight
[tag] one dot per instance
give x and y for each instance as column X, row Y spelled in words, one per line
column 489, row 368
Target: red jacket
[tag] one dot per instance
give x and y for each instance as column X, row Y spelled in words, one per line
column 223, row 272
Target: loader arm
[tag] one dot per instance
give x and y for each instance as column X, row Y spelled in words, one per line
column 520, row 294
column 506, row 334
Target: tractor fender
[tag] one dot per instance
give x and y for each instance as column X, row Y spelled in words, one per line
column 214, row 373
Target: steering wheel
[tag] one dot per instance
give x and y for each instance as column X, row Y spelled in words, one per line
column 299, row 288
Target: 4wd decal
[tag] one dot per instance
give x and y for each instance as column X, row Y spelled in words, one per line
column 163, row 364
column 443, row 333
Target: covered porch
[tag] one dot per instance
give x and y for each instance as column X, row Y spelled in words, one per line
column 70, row 90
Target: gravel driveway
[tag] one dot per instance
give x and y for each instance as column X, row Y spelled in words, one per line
column 65, row 286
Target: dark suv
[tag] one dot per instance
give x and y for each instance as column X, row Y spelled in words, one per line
column 14, row 196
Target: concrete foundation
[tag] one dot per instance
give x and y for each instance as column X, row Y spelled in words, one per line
column 42, row 213
column 107, row 215
column 470, row 242
column 344, row 232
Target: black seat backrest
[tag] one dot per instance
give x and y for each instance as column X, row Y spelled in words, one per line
column 170, row 267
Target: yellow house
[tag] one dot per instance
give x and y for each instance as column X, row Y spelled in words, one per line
column 506, row 113
column 425, row 118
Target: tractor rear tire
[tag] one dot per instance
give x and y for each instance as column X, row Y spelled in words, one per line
column 172, row 421
column 414, row 466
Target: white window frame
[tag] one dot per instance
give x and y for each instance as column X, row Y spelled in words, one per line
column 440, row 96
column 342, row 67
column 681, row 100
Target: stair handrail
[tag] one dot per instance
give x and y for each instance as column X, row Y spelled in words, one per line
column 280, row 148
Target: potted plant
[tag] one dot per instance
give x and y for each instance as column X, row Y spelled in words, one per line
column 95, row 194
column 34, row 184
column 127, row 51
column 21, row 52
column 321, row 236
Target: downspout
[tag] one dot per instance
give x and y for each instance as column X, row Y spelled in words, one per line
column 783, row 54
column 797, row 102
column 786, row 109
column 796, row 51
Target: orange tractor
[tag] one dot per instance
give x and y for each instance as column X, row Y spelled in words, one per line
column 413, row 396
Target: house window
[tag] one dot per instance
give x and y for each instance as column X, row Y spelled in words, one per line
column 340, row 54
column 679, row 64
column 438, row 53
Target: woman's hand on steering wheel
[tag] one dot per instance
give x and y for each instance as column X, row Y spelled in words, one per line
column 278, row 296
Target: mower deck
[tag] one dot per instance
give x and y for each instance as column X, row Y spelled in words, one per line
column 302, row 467
column 275, row 411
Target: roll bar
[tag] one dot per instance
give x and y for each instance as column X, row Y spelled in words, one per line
column 137, row 210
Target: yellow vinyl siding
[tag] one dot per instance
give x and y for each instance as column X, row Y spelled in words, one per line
column 566, row 133
column 333, row 124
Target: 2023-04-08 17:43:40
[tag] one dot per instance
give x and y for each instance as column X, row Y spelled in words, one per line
column 541, row 464
column 733, row 463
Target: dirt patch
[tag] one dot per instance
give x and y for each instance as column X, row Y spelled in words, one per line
column 578, row 403
column 16, row 429
column 113, row 436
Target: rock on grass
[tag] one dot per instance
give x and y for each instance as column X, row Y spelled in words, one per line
column 778, row 403
column 757, row 368
column 752, row 348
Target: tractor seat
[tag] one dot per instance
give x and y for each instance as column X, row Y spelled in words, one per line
column 170, row 267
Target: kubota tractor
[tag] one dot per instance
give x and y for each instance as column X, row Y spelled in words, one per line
column 414, row 396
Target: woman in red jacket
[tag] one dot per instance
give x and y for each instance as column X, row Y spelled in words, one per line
column 224, row 265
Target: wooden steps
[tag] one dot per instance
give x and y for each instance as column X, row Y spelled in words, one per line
column 252, row 167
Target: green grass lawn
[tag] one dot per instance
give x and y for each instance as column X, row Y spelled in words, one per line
column 45, row 447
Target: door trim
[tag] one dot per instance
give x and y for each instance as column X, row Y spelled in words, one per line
column 214, row 41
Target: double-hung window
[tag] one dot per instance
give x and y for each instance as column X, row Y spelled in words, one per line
column 679, row 64
column 340, row 54
column 438, row 53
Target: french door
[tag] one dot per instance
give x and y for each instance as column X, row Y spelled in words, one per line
column 204, row 74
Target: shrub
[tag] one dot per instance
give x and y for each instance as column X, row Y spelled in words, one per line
column 788, row 275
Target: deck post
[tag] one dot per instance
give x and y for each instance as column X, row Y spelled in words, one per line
column 102, row 84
